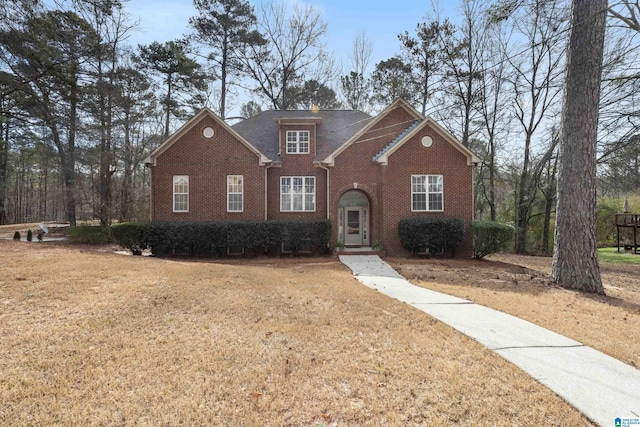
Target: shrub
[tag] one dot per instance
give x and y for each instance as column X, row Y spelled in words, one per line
column 606, row 221
column 430, row 234
column 215, row 238
column 130, row 235
column 29, row 235
column 89, row 234
column 187, row 238
column 16, row 235
column 299, row 236
column 490, row 237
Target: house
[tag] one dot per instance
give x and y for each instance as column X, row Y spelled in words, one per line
column 363, row 173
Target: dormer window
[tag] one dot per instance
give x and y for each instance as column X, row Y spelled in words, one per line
column 297, row 142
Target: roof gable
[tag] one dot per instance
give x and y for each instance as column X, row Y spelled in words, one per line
column 383, row 156
column 205, row 112
column 398, row 103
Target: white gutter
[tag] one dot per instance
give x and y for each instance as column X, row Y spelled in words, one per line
column 328, row 187
column 266, row 192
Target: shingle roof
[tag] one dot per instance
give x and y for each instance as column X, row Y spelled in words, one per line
column 336, row 127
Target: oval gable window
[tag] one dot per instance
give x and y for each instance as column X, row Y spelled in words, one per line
column 427, row 141
column 208, row 132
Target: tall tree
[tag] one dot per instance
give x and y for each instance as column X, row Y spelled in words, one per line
column 135, row 102
column 535, row 89
column 179, row 73
column 356, row 86
column 313, row 93
column 111, row 26
column 575, row 258
column 226, row 26
column 49, row 57
column 492, row 98
column 294, row 52
column 392, row 79
column 424, row 51
column 250, row 109
column 463, row 66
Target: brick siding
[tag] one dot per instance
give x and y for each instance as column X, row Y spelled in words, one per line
column 207, row 162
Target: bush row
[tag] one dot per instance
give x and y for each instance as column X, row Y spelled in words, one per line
column 219, row 238
column 89, row 234
column 430, row 235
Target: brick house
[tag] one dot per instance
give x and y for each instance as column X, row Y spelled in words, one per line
column 363, row 173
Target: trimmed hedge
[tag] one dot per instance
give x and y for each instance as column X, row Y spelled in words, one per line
column 490, row 237
column 217, row 238
column 430, row 234
column 89, row 234
column 130, row 235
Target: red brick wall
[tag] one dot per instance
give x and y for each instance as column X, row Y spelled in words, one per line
column 207, row 162
column 441, row 158
column 296, row 165
column 356, row 165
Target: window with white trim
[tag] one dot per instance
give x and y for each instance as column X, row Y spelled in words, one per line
column 297, row 142
column 181, row 193
column 235, row 187
column 426, row 193
column 297, row 194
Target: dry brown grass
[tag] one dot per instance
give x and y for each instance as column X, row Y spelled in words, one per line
column 519, row 285
column 101, row 339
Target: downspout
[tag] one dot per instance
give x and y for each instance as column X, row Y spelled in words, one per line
column 328, row 187
column 266, row 206
column 151, row 189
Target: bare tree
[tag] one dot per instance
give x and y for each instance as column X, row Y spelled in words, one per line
column 537, row 72
column 464, row 65
column 627, row 11
column 294, row 52
column 355, row 86
column 575, row 258
column 492, row 98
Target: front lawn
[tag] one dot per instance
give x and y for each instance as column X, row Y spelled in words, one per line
column 94, row 338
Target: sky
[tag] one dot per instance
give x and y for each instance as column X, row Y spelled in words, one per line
column 382, row 21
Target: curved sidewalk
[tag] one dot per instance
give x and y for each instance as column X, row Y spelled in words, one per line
column 599, row 386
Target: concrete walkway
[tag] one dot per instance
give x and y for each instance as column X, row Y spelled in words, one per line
column 599, row 386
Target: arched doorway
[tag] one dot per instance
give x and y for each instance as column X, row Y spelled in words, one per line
column 353, row 219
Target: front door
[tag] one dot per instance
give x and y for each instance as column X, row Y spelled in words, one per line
column 353, row 221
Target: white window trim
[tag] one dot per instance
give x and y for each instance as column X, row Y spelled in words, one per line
column 427, row 193
column 229, row 193
column 304, row 193
column 297, row 141
column 176, row 178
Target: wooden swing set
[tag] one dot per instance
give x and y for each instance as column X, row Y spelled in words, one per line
column 629, row 221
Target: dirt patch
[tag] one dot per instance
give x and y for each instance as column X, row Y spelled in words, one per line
column 520, row 285
column 93, row 338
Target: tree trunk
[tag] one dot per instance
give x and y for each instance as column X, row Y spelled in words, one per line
column 523, row 202
column 127, row 172
column 492, row 178
column 550, row 200
column 575, row 259
column 4, row 155
column 168, row 106
column 223, row 77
